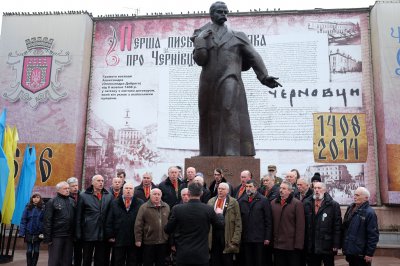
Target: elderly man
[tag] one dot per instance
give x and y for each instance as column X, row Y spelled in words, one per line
column 240, row 190
column 269, row 188
column 120, row 226
column 93, row 207
column 190, row 175
column 291, row 177
column 323, row 227
column 149, row 229
column 288, row 220
column 142, row 191
column 206, row 195
column 224, row 128
column 185, row 195
column 255, row 211
column 224, row 242
column 361, row 234
column 74, row 194
column 73, row 188
column 170, row 187
column 190, row 224
column 303, row 190
column 116, row 187
column 58, row 226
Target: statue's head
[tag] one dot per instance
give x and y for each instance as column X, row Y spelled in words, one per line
column 218, row 12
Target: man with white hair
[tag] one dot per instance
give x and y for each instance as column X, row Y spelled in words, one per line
column 120, row 226
column 58, row 226
column 360, row 230
column 149, row 229
column 74, row 194
column 205, row 197
column 170, row 187
column 185, row 195
column 92, row 210
column 224, row 242
column 303, row 189
column 323, row 227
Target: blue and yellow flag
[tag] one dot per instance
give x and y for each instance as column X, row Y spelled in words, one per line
column 26, row 182
column 2, row 126
column 4, row 170
column 10, row 145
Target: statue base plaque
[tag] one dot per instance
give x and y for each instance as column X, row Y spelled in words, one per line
column 232, row 166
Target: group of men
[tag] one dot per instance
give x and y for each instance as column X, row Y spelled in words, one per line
column 278, row 223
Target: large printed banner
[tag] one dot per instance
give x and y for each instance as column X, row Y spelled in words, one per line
column 44, row 66
column 385, row 39
column 143, row 113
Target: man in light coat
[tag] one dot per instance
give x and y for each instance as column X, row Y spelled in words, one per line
column 225, row 242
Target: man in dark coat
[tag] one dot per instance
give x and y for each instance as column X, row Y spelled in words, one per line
column 116, row 187
column 323, row 227
column 360, row 230
column 255, row 211
column 120, row 226
column 224, row 128
column 142, row 191
column 269, row 188
column 190, row 175
column 206, row 194
column 170, row 187
column 93, row 207
column 190, row 224
column 240, row 191
column 303, row 190
column 74, row 192
column 58, row 226
column 289, row 225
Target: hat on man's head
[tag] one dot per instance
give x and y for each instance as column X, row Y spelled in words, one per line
column 316, row 177
column 272, row 167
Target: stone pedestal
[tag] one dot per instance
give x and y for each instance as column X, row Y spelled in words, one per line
column 232, row 167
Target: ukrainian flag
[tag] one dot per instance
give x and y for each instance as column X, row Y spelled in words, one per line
column 26, row 182
column 10, row 146
column 4, row 170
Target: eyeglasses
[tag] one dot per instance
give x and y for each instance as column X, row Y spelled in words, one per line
column 270, row 170
column 217, row 174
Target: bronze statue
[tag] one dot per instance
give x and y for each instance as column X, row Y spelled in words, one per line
column 224, row 128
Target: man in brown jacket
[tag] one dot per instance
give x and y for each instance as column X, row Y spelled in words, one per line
column 289, row 226
column 224, row 242
column 149, row 229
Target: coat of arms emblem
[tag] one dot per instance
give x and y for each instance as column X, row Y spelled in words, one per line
column 37, row 72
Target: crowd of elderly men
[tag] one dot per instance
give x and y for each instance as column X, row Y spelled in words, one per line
column 279, row 222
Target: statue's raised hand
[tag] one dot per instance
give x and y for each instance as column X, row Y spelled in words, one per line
column 271, row 82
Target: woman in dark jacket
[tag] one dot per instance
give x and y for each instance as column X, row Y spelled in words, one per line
column 31, row 228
